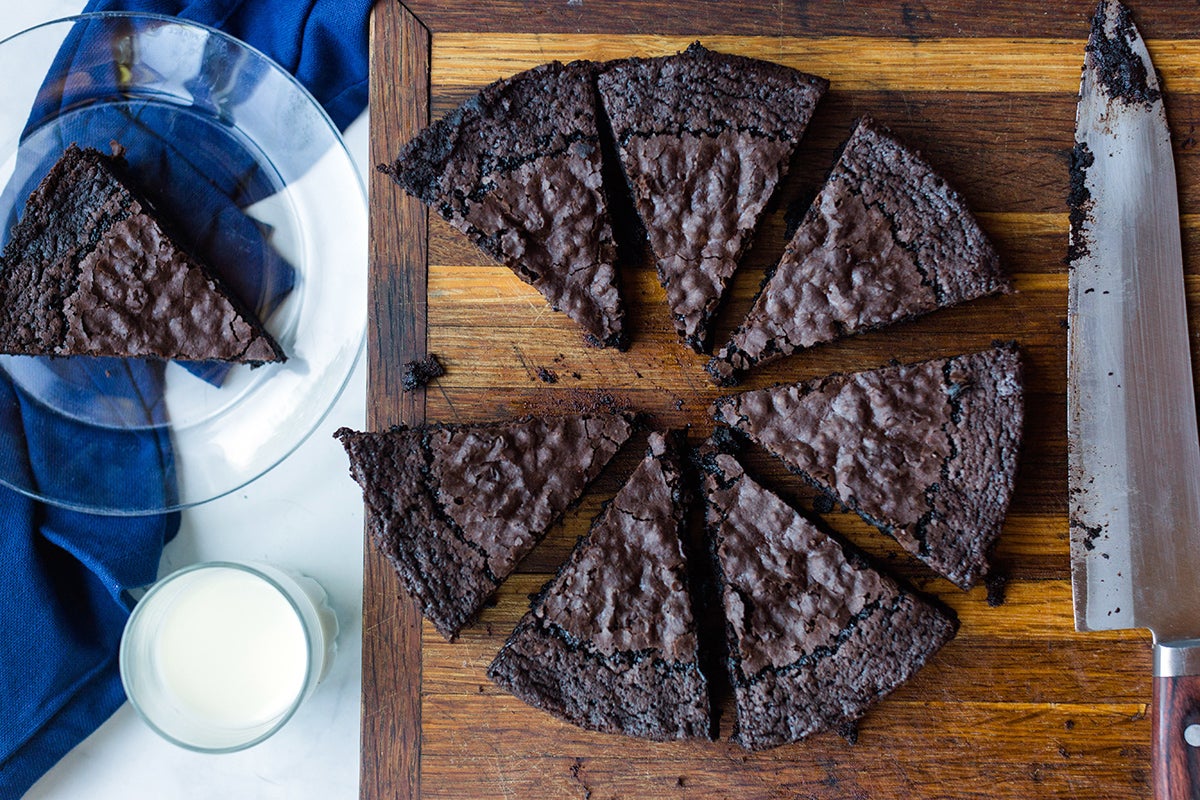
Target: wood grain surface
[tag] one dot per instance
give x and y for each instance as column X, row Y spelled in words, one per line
column 1019, row 705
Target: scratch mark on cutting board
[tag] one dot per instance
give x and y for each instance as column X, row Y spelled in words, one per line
column 501, row 775
column 541, row 313
column 687, row 377
column 576, row 768
column 521, row 358
column 453, row 410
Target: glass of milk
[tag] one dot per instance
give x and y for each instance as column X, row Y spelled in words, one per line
column 217, row 656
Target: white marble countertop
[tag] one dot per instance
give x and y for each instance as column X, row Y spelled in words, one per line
column 304, row 515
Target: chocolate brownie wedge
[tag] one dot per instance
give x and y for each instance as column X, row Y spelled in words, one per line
column 455, row 507
column 517, row 169
column 816, row 636
column 885, row 240
column 704, row 140
column 610, row 643
column 925, row 452
column 90, row 270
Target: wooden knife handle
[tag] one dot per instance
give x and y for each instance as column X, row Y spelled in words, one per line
column 1175, row 762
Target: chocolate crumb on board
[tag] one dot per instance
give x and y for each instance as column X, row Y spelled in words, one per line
column 547, row 375
column 420, row 372
column 824, row 503
column 997, row 585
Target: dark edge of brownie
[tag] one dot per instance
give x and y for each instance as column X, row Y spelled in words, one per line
column 971, row 577
column 730, row 442
column 26, row 234
column 1002, row 283
column 421, row 165
column 684, row 500
column 696, row 50
column 121, row 171
column 732, row 376
column 419, row 173
column 509, row 659
column 449, row 620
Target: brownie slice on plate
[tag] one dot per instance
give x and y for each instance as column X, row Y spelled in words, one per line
column 816, row 636
column 704, row 140
column 610, row 643
column 926, row 452
column 90, row 270
column 455, row 507
column 517, row 169
column 885, row 240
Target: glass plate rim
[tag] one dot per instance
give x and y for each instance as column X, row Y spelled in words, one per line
column 352, row 363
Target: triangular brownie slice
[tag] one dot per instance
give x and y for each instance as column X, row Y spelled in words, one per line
column 455, row 507
column 610, row 643
column 926, row 452
column 517, row 169
column 816, row 636
column 704, row 140
column 90, row 270
column 885, row 240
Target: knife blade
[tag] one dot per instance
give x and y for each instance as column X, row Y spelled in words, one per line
column 1133, row 450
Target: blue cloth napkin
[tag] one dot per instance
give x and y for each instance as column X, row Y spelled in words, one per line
column 65, row 574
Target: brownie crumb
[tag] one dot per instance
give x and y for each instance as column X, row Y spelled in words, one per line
column 547, row 375
column 996, row 584
column 420, row 372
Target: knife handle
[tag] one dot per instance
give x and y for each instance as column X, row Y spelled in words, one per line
column 1175, row 737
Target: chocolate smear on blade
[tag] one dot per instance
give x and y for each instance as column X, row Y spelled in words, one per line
column 1122, row 73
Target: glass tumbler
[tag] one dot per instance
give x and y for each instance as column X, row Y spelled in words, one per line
column 216, row 657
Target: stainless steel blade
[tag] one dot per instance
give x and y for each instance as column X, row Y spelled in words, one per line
column 1134, row 456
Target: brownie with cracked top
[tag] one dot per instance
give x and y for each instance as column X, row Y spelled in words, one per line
column 610, row 643
column 816, row 636
column 455, row 507
column 517, row 169
column 885, row 240
column 926, row 452
column 90, row 270
column 704, row 140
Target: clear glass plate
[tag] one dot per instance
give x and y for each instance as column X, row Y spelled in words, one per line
column 238, row 120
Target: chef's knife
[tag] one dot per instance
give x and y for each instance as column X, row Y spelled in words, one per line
column 1134, row 457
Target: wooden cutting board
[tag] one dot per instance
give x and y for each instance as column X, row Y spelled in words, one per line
column 1019, row 705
